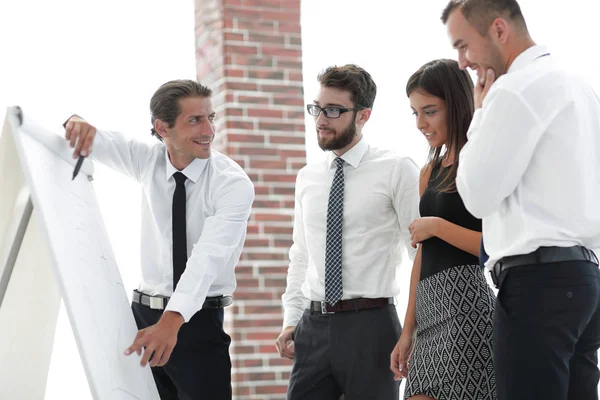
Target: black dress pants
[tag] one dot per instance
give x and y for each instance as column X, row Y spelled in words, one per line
column 547, row 332
column 200, row 366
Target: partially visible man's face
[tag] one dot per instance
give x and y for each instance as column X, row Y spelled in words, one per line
column 335, row 133
column 474, row 51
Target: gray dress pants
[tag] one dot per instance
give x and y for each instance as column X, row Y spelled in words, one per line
column 345, row 354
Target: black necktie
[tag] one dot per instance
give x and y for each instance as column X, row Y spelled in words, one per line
column 179, row 235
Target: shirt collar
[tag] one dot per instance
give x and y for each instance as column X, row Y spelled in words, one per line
column 192, row 171
column 527, row 57
column 352, row 156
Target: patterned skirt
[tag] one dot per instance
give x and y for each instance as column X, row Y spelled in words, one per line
column 452, row 358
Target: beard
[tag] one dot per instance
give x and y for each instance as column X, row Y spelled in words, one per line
column 339, row 140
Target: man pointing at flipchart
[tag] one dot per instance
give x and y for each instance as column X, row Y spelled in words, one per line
column 195, row 206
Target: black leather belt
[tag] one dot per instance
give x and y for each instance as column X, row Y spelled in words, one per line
column 160, row 302
column 543, row 255
column 322, row 307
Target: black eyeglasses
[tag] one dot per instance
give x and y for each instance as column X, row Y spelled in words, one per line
column 330, row 112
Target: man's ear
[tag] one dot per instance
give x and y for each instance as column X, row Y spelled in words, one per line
column 162, row 128
column 500, row 30
column 363, row 116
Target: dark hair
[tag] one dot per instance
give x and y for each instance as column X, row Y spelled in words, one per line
column 354, row 79
column 481, row 13
column 164, row 104
column 444, row 79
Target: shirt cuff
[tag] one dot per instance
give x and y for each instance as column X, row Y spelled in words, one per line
column 290, row 320
column 184, row 305
column 68, row 119
column 293, row 315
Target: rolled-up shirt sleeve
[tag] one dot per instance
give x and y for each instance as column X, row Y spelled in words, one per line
column 501, row 140
column 221, row 237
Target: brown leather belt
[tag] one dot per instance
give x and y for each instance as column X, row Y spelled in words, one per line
column 322, row 307
column 160, row 302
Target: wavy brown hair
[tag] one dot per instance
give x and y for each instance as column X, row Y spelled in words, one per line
column 444, row 79
column 354, row 79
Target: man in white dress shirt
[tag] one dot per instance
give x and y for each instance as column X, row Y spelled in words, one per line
column 352, row 214
column 531, row 170
column 195, row 207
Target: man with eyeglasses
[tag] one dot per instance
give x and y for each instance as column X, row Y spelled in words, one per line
column 352, row 214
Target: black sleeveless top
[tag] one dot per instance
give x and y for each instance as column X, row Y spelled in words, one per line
column 438, row 255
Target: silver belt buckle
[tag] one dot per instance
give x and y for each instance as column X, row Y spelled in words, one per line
column 156, row 303
column 324, row 308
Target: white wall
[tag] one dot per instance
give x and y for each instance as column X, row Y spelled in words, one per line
column 104, row 59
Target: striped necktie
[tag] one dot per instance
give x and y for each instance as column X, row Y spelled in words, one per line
column 333, row 249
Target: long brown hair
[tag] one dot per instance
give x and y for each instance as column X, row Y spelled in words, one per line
column 444, row 79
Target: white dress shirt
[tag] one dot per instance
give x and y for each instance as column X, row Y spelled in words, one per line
column 531, row 167
column 380, row 200
column 219, row 197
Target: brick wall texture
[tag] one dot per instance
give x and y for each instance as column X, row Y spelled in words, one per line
column 250, row 53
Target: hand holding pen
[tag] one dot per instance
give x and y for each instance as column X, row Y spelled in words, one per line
column 80, row 135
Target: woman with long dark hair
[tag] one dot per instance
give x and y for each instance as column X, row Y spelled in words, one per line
column 445, row 349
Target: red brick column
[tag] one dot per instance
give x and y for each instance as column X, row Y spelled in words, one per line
column 250, row 53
